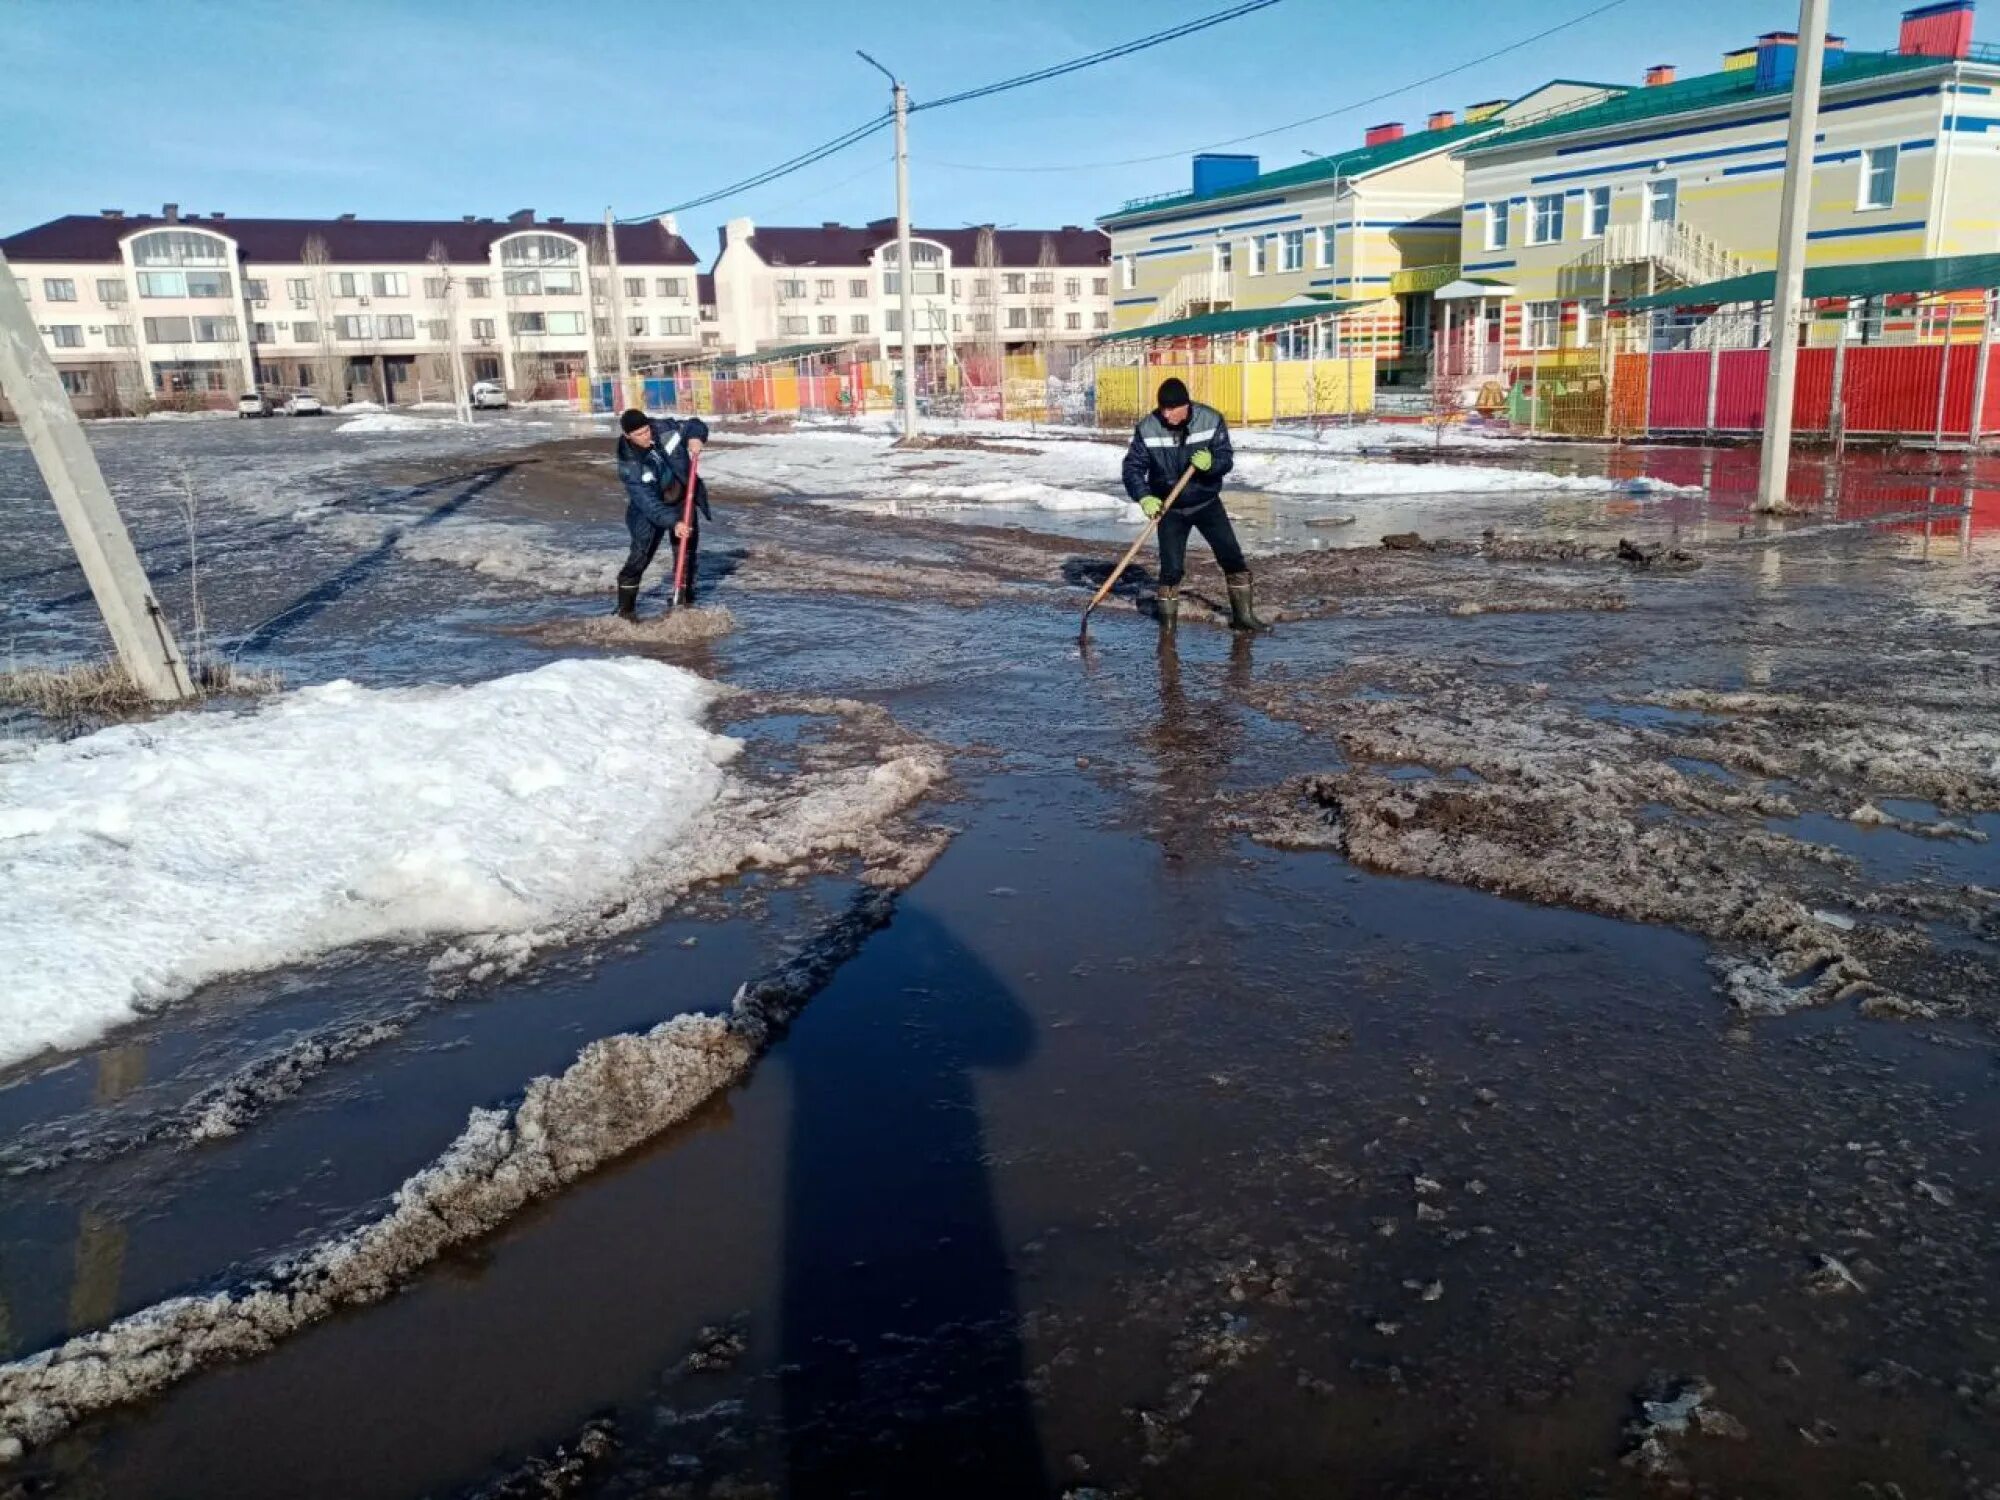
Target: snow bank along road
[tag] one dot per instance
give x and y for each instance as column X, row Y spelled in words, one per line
column 143, row 861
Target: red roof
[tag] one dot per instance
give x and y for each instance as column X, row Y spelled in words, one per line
column 92, row 237
column 846, row 245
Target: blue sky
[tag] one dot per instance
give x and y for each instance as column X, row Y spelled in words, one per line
column 445, row 108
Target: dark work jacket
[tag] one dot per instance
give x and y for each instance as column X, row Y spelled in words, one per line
column 655, row 478
column 1159, row 454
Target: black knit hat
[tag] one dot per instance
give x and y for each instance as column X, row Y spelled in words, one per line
column 633, row 420
column 1173, row 392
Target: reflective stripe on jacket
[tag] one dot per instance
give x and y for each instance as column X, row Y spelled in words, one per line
column 1159, row 455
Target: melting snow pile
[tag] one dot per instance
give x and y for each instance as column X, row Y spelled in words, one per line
column 1053, row 473
column 144, row 861
column 386, row 421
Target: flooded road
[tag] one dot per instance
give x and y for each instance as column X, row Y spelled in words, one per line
column 1330, row 1062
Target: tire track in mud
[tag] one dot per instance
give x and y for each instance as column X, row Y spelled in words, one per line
column 619, row 1093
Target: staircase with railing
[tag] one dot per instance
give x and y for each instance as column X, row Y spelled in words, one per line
column 1679, row 254
column 1196, row 292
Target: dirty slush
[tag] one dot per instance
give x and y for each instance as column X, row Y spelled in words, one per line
column 1527, row 1026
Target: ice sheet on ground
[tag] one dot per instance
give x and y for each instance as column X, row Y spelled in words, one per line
column 139, row 863
column 387, row 421
column 1069, row 473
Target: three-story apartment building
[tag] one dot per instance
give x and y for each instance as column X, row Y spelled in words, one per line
column 1013, row 289
column 200, row 308
column 1377, row 224
column 1677, row 182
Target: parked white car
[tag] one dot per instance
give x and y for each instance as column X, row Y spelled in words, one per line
column 304, row 404
column 489, row 394
column 252, row 404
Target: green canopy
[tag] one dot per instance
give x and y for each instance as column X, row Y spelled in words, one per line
column 780, row 355
column 1243, row 320
column 1880, row 278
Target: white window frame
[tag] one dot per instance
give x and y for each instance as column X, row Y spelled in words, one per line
column 1542, row 330
column 66, row 335
column 1292, row 250
column 59, row 288
column 1870, row 156
column 1596, row 212
column 1128, row 273
column 1259, row 256
column 1225, row 257
column 1499, row 215
column 857, row 323
column 1329, row 246
column 1659, row 190
column 1546, row 219
column 1589, row 321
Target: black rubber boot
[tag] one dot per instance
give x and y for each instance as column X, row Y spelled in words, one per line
column 1242, row 606
column 628, row 601
column 1167, row 607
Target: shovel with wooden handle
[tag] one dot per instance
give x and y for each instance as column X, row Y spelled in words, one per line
column 1133, row 551
column 687, row 519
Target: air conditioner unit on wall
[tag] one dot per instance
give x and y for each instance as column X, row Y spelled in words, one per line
column 362, row 300
column 298, row 307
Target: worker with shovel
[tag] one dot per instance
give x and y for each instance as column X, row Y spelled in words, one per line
column 1181, row 435
column 655, row 457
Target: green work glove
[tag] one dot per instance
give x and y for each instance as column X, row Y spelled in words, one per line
column 1203, row 460
column 1151, row 506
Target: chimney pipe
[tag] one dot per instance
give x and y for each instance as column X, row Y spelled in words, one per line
column 112, row 213
column 671, row 224
column 1938, row 30
column 1659, row 73
column 347, row 218
column 171, row 212
column 1442, row 119
column 1382, row 135
column 521, row 216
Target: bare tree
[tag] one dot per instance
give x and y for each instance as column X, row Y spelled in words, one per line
column 444, row 308
column 988, row 360
column 329, row 372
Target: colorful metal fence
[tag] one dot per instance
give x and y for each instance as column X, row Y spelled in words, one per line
column 1898, row 390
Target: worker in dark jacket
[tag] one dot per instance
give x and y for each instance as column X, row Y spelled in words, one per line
column 1181, row 434
column 653, row 457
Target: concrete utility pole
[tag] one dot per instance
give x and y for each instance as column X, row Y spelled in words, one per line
column 138, row 627
column 1788, row 302
column 618, row 314
column 901, row 97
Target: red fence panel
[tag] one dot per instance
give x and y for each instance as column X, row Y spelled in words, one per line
column 1679, row 394
column 1812, row 391
column 1739, row 389
column 1892, row 388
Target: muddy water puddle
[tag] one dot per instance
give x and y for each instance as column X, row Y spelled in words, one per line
column 1133, row 1156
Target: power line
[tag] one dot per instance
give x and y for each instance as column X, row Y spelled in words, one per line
column 783, row 169
column 1109, row 54
column 1133, row 161
column 861, row 132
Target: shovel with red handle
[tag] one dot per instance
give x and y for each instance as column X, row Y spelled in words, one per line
column 687, row 521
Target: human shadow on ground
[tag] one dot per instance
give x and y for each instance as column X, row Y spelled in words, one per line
column 902, row 1360
column 330, row 590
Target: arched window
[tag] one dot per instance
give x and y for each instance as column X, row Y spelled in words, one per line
column 539, row 250
column 926, row 255
column 179, row 247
